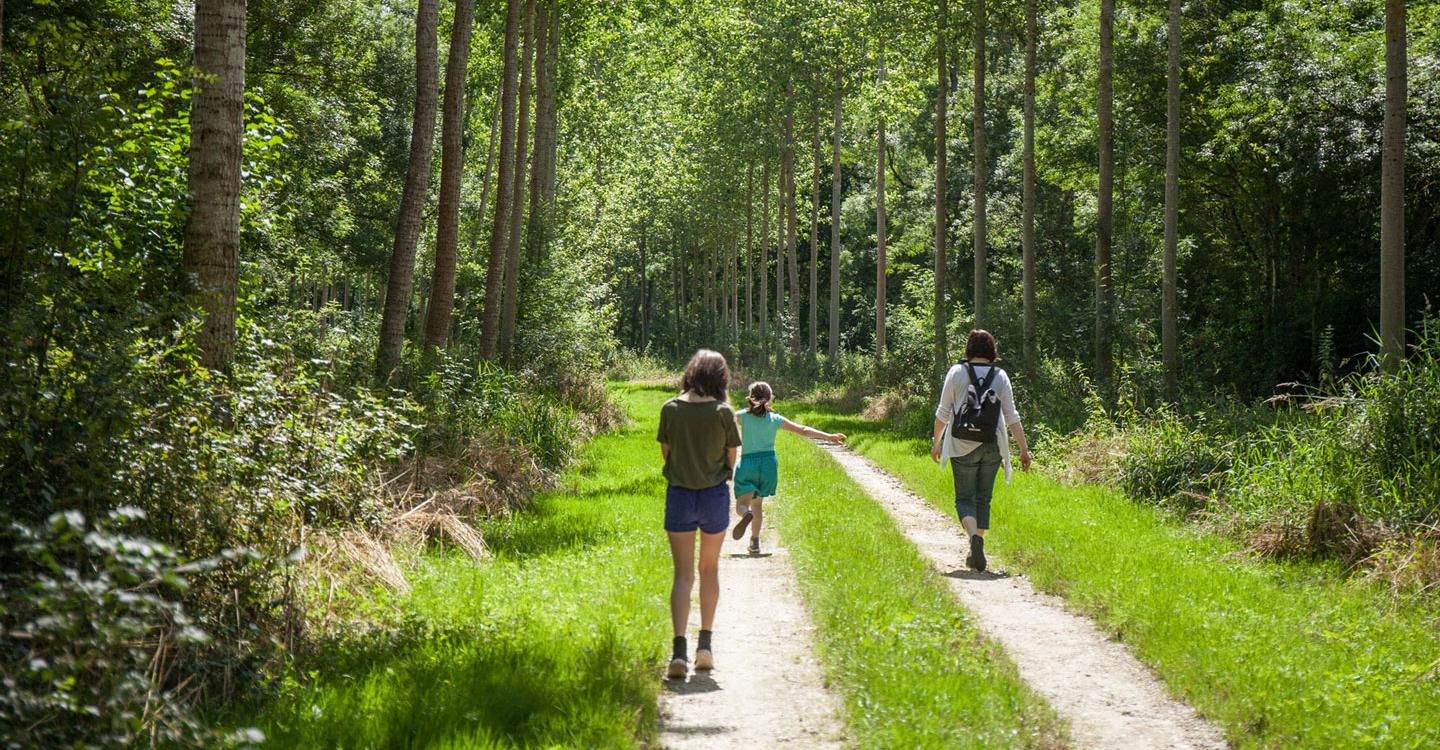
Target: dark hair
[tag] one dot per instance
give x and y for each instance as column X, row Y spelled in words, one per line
column 759, row 398
column 981, row 345
column 707, row 375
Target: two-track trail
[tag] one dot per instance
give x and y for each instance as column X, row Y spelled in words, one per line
column 1105, row 695
column 766, row 689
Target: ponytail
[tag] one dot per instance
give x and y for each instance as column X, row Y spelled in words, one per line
column 759, row 397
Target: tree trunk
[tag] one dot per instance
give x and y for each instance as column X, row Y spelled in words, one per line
column 489, row 163
column 942, row 105
column 815, row 231
column 749, row 247
column 1169, row 320
column 644, row 298
column 880, row 224
column 1392, row 191
column 551, row 120
column 834, row 343
column 495, row 265
column 452, row 166
column 781, row 212
column 211, row 255
column 792, row 316
column 537, row 233
column 1104, row 361
column 764, row 267
column 1027, row 221
column 510, row 306
column 981, row 266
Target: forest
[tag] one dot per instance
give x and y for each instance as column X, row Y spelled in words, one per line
column 332, row 329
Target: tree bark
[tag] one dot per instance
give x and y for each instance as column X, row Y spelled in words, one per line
column 792, row 261
column 1104, row 358
column 833, row 347
column 880, row 224
column 495, row 265
column 942, row 105
column 211, row 255
column 452, row 167
column 1027, row 221
column 510, row 305
column 1169, row 319
column 1392, row 191
column 764, row 267
column 781, row 212
column 749, row 247
column 815, row 231
column 981, row 264
column 537, row 231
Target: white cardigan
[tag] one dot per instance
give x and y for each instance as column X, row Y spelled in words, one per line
column 957, row 380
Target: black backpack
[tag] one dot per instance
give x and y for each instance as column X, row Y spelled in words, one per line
column 979, row 411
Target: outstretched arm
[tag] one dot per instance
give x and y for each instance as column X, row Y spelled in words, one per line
column 811, row 432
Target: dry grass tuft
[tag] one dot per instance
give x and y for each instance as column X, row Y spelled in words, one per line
column 439, row 527
column 884, row 408
column 1409, row 563
column 330, row 554
column 1092, row 458
column 1338, row 529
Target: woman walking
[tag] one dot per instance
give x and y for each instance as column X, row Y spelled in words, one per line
column 976, row 405
column 698, row 440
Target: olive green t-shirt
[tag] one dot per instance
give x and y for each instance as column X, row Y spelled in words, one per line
column 698, row 435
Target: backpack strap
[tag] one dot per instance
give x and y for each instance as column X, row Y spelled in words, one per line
column 981, row 385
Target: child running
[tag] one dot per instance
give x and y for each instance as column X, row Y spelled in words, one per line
column 759, row 472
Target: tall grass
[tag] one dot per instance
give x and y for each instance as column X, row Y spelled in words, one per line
column 1280, row 654
column 554, row 643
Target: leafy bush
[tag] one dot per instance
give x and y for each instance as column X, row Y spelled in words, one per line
column 1168, row 461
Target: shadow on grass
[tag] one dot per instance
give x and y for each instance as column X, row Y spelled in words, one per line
column 483, row 684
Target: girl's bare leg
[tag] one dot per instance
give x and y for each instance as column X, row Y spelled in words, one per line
column 709, row 579
column 682, row 551
column 742, row 503
column 757, row 507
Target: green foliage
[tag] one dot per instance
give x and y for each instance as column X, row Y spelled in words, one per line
column 468, row 401
column 1167, row 460
column 1327, row 661
column 83, row 670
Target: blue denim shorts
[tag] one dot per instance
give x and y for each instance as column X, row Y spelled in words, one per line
column 707, row 509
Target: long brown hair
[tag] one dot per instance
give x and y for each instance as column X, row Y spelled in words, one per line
column 707, row 375
column 759, row 397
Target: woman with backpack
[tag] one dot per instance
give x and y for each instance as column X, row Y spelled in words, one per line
column 976, row 406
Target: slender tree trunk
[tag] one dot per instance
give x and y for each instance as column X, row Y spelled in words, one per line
column 504, row 186
column 510, row 306
column 211, row 255
column 1169, row 320
column 489, row 163
column 792, row 316
column 833, row 347
column 452, row 166
column 981, row 264
column 1104, row 362
column 764, row 267
column 942, row 106
column 880, row 224
column 781, row 212
column 644, row 298
column 815, row 231
column 749, row 247
column 1027, row 227
column 537, row 231
column 1392, row 191
column 551, row 119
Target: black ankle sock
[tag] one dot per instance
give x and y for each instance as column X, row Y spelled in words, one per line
column 681, row 650
column 704, row 643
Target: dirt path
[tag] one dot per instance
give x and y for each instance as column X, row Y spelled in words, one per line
column 766, row 689
column 1106, row 696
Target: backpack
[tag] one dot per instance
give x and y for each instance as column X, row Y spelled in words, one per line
column 979, row 413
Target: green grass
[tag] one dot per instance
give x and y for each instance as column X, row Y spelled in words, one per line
column 556, row 643
column 1281, row 655
column 913, row 668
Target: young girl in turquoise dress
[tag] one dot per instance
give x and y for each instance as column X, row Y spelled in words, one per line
column 758, row 472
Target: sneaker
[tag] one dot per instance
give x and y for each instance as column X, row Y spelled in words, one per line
column 976, row 560
column 704, row 659
column 678, row 668
column 754, row 545
column 741, row 525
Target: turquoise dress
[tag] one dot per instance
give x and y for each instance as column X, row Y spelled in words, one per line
column 758, row 471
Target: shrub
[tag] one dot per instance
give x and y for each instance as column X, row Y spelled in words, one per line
column 1168, row 461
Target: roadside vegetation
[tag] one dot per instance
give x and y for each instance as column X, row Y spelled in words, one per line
column 1280, row 653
